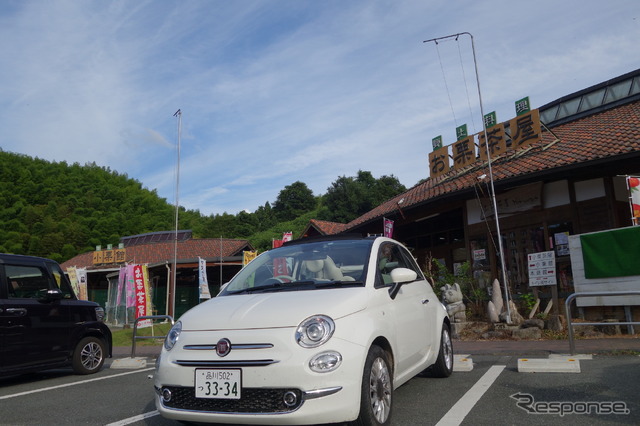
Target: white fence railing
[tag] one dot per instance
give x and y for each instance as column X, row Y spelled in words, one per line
column 572, row 346
column 135, row 330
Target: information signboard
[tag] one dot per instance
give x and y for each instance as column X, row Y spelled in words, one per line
column 542, row 269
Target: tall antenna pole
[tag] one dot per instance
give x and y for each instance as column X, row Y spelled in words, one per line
column 175, row 239
column 493, row 190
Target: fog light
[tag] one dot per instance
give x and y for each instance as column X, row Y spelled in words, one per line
column 290, row 399
column 166, row 395
column 325, row 362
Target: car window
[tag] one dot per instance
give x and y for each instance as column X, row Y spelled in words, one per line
column 26, row 281
column 310, row 265
column 411, row 263
column 62, row 282
column 390, row 257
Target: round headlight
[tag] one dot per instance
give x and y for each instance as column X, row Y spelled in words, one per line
column 314, row 331
column 172, row 336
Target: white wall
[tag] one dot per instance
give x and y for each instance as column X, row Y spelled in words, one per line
column 555, row 194
column 589, row 189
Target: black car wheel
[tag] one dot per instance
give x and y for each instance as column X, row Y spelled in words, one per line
column 88, row 356
column 377, row 389
column 444, row 364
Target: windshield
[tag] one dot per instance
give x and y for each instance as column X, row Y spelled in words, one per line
column 304, row 267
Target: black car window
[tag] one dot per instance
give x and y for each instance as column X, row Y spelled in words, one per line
column 62, row 281
column 26, row 281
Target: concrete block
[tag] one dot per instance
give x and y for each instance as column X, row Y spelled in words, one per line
column 129, row 363
column 462, row 363
column 580, row 357
column 550, row 365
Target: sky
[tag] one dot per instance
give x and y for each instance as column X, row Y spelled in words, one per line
column 274, row 92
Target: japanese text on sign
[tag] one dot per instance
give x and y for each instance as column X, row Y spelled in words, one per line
column 542, row 269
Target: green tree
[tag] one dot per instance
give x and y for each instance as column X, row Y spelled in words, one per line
column 350, row 197
column 246, row 225
column 265, row 217
column 293, row 201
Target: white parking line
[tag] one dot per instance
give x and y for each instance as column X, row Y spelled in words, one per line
column 14, row 395
column 459, row 411
column 135, row 419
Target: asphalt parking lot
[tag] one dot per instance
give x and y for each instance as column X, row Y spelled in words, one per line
column 492, row 392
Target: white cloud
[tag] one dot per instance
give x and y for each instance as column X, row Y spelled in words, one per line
column 276, row 92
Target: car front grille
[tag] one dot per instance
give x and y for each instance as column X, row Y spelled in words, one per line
column 254, row 400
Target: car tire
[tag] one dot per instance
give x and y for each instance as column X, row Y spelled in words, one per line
column 443, row 366
column 377, row 390
column 88, row 357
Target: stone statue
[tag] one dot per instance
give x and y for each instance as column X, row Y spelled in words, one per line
column 494, row 308
column 497, row 311
column 452, row 297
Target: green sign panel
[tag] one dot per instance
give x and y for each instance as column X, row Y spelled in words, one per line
column 461, row 132
column 523, row 106
column 436, row 142
column 490, row 120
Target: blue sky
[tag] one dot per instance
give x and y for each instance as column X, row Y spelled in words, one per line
column 274, row 92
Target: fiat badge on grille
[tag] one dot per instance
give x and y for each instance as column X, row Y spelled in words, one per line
column 223, row 347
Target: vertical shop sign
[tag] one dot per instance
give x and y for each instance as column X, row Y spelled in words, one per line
column 633, row 185
column 439, row 162
column 464, row 152
column 497, row 142
column 203, row 283
column 141, row 295
column 388, row 227
column 525, row 129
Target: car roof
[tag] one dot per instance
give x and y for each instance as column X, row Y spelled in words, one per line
column 6, row 257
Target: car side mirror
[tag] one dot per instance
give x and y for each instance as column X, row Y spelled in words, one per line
column 400, row 276
column 51, row 295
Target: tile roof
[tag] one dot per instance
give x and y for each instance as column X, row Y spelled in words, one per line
column 153, row 253
column 325, row 227
column 606, row 136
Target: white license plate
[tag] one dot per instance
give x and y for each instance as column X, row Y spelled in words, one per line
column 218, row 383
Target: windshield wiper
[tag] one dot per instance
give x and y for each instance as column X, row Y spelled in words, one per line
column 339, row 283
column 288, row 286
column 273, row 286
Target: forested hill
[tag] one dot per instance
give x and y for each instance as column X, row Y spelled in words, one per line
column 57, row 210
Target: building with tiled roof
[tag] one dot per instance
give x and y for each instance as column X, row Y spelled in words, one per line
column 157, row 250
column 570, row 181
column 318, row 227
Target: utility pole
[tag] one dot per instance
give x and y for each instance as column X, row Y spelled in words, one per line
column 178, row 114
column 493, row 190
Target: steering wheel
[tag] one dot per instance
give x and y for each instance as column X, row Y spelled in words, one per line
column 284, row 278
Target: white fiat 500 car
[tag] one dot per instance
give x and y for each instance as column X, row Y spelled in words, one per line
column 317, row 331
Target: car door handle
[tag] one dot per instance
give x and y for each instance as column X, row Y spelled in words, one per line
column 425, row 301
column 16, row 311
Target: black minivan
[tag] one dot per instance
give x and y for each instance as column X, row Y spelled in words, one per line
column 42, row 323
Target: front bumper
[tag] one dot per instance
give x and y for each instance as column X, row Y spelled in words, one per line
column 278, row 387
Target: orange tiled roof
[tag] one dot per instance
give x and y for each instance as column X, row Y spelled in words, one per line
column 604, row 136
column 325, row 227
column 152, row 253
